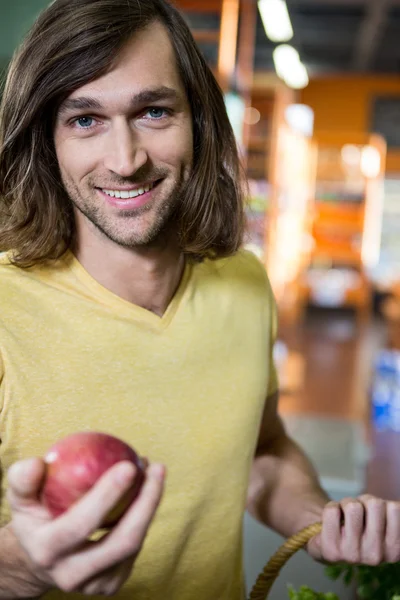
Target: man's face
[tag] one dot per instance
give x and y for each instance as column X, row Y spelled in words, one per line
column 124, row 144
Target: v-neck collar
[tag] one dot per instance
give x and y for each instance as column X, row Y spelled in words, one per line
column 124, row 307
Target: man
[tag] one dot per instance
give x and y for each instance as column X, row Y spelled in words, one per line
column 127, row 306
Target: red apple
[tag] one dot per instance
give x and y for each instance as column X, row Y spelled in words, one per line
column 76, row 462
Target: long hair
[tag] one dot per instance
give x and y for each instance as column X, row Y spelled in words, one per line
column 72, row 43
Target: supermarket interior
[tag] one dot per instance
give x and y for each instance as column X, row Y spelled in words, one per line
column 312, row 89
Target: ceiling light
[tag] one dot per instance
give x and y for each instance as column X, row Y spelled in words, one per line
column 351, row 155
column 300, row 117
column 289, row 66
column 276, row 20
column 297, row 78
column 285, row 57
column 370, row 162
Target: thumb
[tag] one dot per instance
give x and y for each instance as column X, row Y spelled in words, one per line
column 25, row 479
column 314, row 548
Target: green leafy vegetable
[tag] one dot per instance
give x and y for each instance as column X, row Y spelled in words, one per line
column 306, row 593
column 373, row 583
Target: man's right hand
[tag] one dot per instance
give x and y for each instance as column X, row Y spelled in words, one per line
column 56, row 552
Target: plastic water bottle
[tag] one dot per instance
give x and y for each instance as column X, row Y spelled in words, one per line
column 381, row 393
column 394, row 406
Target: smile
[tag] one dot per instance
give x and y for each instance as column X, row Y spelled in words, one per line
column 128, row 193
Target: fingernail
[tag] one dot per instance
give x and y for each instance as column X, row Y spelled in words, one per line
column 159, row 471
column 20, row 468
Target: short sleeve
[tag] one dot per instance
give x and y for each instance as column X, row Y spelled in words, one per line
column 1, row 379
column 273, row 384
column 271, row 316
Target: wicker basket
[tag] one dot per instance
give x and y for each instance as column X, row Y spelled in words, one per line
column 272, row 569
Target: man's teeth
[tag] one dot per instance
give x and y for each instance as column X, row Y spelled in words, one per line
column 128, row 194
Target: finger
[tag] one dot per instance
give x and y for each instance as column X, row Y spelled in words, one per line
column 25, row 479
column 110, row 581
column 392, row 541
column 121, row 543
column 74, row 527
column 127, row 537
column 331, row 532
column 373, row 542
column 352, row 530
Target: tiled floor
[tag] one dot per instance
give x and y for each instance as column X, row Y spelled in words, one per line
column 338, row 357
column 329, row 417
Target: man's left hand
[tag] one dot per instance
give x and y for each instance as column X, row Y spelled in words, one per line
column 363, row 530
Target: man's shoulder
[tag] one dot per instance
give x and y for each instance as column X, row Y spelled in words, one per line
column 242, row 270
column 10, row 277
column 8, row 270
column 5, row 259
column 244, row 264
column 14, row 280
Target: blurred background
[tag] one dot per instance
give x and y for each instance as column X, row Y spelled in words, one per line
column 312, row 89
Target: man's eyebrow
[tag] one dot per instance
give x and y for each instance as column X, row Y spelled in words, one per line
column 155, row 95
column 143, row 97
column 81, row 103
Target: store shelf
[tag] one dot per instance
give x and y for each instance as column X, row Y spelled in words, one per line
column 332, row 289
column 342, row 256
column 344, row 211
column 386, row 274
column 260, row 144
column 346, row 216
column 259, row 158
column 279, row 162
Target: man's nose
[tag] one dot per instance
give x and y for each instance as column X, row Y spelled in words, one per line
column 125, row 152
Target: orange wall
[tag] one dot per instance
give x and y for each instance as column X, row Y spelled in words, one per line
column 345, row 103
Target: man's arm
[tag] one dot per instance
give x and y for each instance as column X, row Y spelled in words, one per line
column 284, row 491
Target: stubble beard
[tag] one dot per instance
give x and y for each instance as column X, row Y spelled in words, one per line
column 162, row 226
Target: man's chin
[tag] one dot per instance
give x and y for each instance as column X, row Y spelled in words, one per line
column 144, row 238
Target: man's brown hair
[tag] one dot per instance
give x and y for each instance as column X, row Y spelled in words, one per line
column 72, row 43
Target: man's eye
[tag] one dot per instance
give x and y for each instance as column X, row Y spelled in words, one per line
column 157, row 113
column 84, row 122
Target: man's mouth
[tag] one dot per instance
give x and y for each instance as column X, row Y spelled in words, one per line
column 129, row 197
column 129, row 193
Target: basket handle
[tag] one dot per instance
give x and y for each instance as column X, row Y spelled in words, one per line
column 272, row 569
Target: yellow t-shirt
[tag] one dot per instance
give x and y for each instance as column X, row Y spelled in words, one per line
column 186, row 389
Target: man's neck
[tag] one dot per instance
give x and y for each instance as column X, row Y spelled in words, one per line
column 146, row 277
